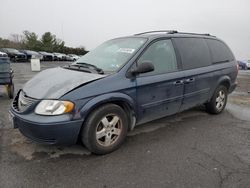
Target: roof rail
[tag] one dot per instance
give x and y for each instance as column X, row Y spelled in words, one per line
column 206, row 34
column 159, row 31
column 173, row 32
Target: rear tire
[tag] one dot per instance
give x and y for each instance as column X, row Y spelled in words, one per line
column 218, row 101
column 105, row 129
column 10, row 89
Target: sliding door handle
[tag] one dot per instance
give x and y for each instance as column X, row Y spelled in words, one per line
column 189, row 80
column 178, row 82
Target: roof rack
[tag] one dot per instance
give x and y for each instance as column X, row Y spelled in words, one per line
column 173, row 32
column 206, row 34
column 159, row 31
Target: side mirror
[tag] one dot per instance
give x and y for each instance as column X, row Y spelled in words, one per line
column 142, row 68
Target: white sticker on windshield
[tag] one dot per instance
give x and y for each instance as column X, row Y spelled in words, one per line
column 114, row 65
column 126, row 50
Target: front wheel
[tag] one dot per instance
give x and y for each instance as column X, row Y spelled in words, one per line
column 218, row 101
column 105, row 129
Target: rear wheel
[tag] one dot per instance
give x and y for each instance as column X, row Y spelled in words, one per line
column 218, row 101
column 105, row 129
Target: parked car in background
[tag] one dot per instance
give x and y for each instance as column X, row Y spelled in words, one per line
column 55, row 58
column 51, row 54
column 6, row 76
column 74, row 57
column 242, row 65
column 47, row 56
column 32, row 54
column 123, row 83
column 248, row 64
column 60, row 56
column 2, row 54
column 69, row 58
column 14, row 54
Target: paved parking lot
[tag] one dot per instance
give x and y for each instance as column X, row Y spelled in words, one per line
column 190, row 149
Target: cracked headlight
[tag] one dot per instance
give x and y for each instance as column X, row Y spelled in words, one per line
column 54, row 107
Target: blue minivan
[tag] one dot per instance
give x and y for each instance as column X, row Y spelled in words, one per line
column 123, row 83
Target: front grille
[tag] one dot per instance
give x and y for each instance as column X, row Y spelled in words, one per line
column 24, row 102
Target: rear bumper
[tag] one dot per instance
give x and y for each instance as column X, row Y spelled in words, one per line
column 59, row 133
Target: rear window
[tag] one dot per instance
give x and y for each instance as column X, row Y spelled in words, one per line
column 219, row 51
column 194, row 52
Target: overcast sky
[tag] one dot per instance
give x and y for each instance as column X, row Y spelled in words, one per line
column 90, row 22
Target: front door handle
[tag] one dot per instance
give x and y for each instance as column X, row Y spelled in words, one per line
column 189, row 80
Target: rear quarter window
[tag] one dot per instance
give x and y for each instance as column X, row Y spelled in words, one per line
column 194, row 52
column 219, row 51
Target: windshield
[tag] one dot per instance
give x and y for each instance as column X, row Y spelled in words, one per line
column 112, row 54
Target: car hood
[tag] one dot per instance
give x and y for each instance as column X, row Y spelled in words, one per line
column 54, row 83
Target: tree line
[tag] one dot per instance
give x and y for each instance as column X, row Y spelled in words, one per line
column 31, row 41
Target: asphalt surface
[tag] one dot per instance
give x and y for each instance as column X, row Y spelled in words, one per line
column 190, row 149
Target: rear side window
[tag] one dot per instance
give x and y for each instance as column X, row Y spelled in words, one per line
column 219, row 51
column 194, row 52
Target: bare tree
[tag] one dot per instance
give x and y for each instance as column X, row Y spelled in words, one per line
column 17, row 38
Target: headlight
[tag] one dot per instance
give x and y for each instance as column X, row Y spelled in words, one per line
column 54, row 107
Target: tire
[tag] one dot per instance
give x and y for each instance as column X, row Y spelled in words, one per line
column 12, row 59
column 99, row 135
column 218, row 101
column 10, row 89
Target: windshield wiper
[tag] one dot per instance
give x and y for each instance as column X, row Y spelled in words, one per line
column 87, row 65
column 77, row 67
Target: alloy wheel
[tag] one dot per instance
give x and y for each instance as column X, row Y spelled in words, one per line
column 108, row 130
column 220, row 100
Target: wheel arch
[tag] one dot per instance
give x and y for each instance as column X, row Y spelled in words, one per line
column 120, row 99
column 225, row 81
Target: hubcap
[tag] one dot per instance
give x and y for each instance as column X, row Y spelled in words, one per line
column 220, row 100
column 108, row 130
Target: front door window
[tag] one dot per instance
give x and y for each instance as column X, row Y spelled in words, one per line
column 162, row 55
